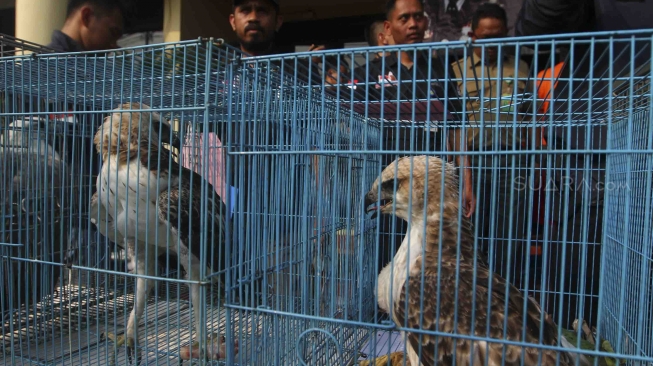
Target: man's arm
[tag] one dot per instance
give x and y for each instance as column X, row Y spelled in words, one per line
column 456, row 138
column 456, row 135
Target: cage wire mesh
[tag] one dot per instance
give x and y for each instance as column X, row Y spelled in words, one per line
column 69, row 283
column 12, row 46
column 299, row 265
column 293, row 146
column 629, row 286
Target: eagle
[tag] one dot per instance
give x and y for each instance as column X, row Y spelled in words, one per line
column 145, row 199
column 438, row 254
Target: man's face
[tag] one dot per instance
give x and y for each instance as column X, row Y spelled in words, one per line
column 334, row 77
column 489, row 28
column 100, row 30
column 255, row 22
column 407, row 23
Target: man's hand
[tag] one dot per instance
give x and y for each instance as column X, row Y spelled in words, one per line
column 469, row 201
column 317, row 59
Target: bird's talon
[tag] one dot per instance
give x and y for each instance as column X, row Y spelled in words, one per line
column 129, row 342
column 215, row 349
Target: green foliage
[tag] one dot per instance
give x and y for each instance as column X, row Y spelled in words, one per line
column 605, row 346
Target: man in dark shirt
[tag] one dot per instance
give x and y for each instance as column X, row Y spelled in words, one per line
column 417, row 84
column 256, row 23
column 91, row 25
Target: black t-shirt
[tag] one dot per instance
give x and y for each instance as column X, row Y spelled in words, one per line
column 420, row 99
column 60, row 42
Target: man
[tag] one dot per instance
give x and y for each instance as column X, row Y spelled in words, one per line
column 383, row 37
column 91, row 25
column 499, row 202
column 409, row 81
column 255, row 23
column 376, row 35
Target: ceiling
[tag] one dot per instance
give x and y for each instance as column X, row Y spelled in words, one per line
column 302, row 10
column 7, row 4
column 147, row 17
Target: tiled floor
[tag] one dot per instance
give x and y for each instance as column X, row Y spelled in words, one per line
column 65, row 330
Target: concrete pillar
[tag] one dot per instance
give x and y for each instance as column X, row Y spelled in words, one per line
column 36, row 19
column 190, row 19
column 172, row 20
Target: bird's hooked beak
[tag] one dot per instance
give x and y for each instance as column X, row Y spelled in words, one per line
column 371, row 205
column 175, row 141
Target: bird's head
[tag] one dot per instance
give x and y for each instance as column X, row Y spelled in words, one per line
column 391, row 192
column 124, row 132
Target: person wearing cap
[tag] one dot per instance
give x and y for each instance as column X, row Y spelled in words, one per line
column 255, row 23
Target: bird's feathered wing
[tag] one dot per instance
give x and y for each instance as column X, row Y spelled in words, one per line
column 181, row 207
column 486, row 324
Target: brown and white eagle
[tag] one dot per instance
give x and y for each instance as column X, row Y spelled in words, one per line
column 438, row 254
column 145, row 200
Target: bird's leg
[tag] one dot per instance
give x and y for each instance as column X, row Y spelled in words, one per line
column 195, row 299
column 145, row 265
column 131, row 258
column 214, row 348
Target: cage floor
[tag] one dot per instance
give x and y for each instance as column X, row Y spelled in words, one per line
column 66, row 328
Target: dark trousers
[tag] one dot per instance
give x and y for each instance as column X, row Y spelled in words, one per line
column 579, row 281
column 500, row 219
column 581, row 240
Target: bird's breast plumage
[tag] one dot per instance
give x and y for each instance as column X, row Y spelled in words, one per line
column 393, row 277
column 129, row 192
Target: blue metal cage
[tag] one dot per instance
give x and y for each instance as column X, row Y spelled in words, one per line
column 52, row 106
column 292, row 144
column 628, row 242
column 298, row 263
